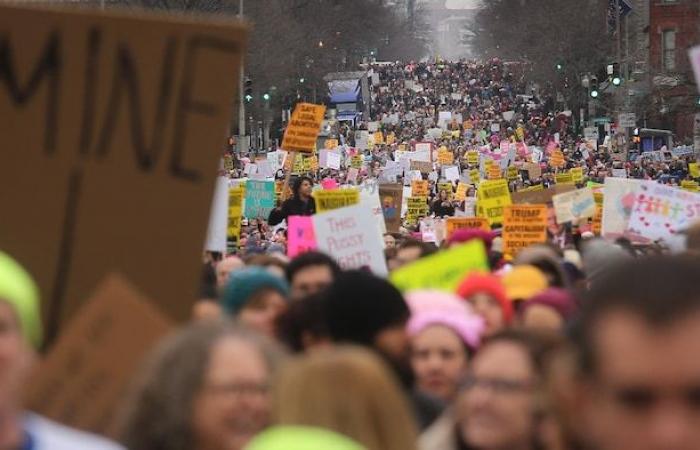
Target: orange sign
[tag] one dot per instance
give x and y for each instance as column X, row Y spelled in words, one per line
column 457, row 223
column 303, row 128
column 419, row 188
column 523, row 225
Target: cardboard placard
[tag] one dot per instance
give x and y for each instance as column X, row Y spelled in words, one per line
column 352, row 237
column 443, row 270
column 422, row 166
column 453, row 224
column 540, row 196
column 303, row 127
column 82, row 381
column 573, row 206
column 300, row 235
column 523, row 225
column 420, row 188
column 534, row 170
column 390, row 196
column 117, row 138
column 337, row 198
column 493, row 197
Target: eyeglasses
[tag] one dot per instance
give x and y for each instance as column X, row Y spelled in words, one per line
column 497, row 385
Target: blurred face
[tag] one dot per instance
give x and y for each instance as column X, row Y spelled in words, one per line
column 224, row 269
column 393, row 342
column 233, row 404
column 305, row 189
column 311, row 280
column 439, row 361
column 16, row 358
column 541, row 317
column 645, row 394
column 496, row 408
column 407, row 255
column 490, row 310
column 261, row 311
column 389, row 241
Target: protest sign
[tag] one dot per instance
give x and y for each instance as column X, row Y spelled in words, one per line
column 523, row 225
column 82, row 381
column 333, row 160
column 422, row 166
column 473, row 157
column 330, row 144
column 451, row 173
column 259, row 198
column 423, row 147
column 447, row 187
column 474, row 176
column 619, row 173
column 573, row 206
column 390, row 196
column 618, row 200
column 303, row 127
column 356, row 161
column 694, row 170
column 369, row 198
column 596, row 224
column 113, row 123
column 417, row 208
column 337, row 198
column 493, row 172
column 235, row 211
column 493, row 197
column 577, row 174
column 538, row 195
column 218, row 218
column 689, row 185
column 461, row 193
column 352, row 175
column 300, row 235
column 445, row 157
column 512, row 173
column 564, row 178
column 420, row 188
column 351, row 236
column 443, row 270
column 662, row 212
column 453, row 224
column 556, row 158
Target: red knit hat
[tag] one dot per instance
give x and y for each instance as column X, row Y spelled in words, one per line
column 488, row 284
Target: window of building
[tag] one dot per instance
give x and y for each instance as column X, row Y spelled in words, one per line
column 668, row 49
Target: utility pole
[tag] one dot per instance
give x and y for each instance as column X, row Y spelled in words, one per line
column 241, row 99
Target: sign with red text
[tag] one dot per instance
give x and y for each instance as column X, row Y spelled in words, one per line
column 352, row 237
column 300, row 235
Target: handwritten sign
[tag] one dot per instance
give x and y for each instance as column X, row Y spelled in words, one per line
column 512, row 173
column 113, row 123
column 577, row 174
column 662, row 212
column 461, row 193
column 573, row 206
column 474, row 176
column 422, row 166
column 443, row 270
column 82, row 381
column 556, row 159
column 493, row 197
column 453, row 224
column 689, row 185
column 302, row 130
column 445, row 157
column 494, row 172
column 259, row 198
column 390, row 196
column 417, row 208
column 300, row 235
column 564, row 178
column 337, row 198
column 352, row 237
column 472, row 157
column 330, row 144
column 523, row 225
column 618, row 201
column 420, row 188
column 235, row 211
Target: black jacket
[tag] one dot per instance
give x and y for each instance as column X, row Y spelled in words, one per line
column 292, row 207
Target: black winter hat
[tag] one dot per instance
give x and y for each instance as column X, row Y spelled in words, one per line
column 360, row 305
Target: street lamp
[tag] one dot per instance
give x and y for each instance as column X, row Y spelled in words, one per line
column 266, row 96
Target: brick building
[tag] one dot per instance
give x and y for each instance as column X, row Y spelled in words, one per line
column 674, row 27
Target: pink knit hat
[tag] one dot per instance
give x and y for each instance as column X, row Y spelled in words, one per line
column 446, row 309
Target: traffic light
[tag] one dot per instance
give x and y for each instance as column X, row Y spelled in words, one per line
column 614, row 74
column 248, row 91
column 559, row 67
column 266, row 96
column 593, row 83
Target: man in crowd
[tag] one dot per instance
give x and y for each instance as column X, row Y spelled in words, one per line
column 309, row 273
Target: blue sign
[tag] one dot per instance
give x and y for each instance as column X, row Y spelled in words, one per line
column 259, row 198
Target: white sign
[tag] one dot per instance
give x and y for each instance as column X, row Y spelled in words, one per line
column 370, row 199
column 452, row 173
column 618, row 198
column 218, row 218
column 694, row 56
column 619, row 173
column 590, row 133
column 352, row 237
column 574, row 205
column 333, row 160
column 423, row 147
column 627, row 120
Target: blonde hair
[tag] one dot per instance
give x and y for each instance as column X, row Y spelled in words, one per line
column 348, row 390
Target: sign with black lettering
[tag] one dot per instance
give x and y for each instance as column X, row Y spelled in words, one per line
column 112, row 128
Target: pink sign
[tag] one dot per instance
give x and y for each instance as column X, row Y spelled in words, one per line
column 329, row 184
column 300, row 235
column 522, row 149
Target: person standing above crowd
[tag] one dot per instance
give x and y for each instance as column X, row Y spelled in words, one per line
column 301, row 203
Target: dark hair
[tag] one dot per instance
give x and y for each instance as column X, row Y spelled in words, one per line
column 426, row 248
column 304, row 317
column 659, row 289
column 309, row 259
column 207, row 286
column 264, row 261
column 297, row 184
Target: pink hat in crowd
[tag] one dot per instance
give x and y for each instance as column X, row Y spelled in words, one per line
column 443, row 308
column 560, row 300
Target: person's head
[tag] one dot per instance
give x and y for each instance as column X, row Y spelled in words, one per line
column 498, row 408
column 367, row 310
column 310, row 273
column 487, row 297
column 224, row 268
column 551, row 310
column 547, row 261
column 255, row 297
column 273, row 264
column 302, row 187
column 637, row 343
column 20, row 330
column 389, row 241
column 302, row 326
column 523, row 282
column 443, row 195
column 205, row 387
column 411, row 250
column 443, row 331
column 348, row 390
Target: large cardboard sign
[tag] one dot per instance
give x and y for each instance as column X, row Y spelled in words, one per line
column 336, row 198
column 112, row 127
column 523, row 225
column 575, row 205
column 352, row 237
column 662, row 212
column 390, row 196
column 83, row 380
column 302, row 130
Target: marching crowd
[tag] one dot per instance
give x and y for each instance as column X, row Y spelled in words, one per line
column 578, row 343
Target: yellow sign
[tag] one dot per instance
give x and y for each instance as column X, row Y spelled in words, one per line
column 537, row 187
column 694, row 170
column 461, row 193
column 336, row 198
column 443, row 270
column 330, row 144
column 523, row 225
column 390, row 138
column 420, row 188
column 577, row 174
column 417, row 208
column 457, row 223
column 378, row 138
column 493, row 197
column 564, row 178
column 303, row 128
column 472, row 157
column 690, row 185
column 512, row 173
column 235, row 210
column 493, row 171
column 356, row 161
column 447, row 187
column 474, row 176
column 597, row 224
column 445, row 157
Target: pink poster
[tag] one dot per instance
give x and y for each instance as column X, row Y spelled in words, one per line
column 300, row 235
